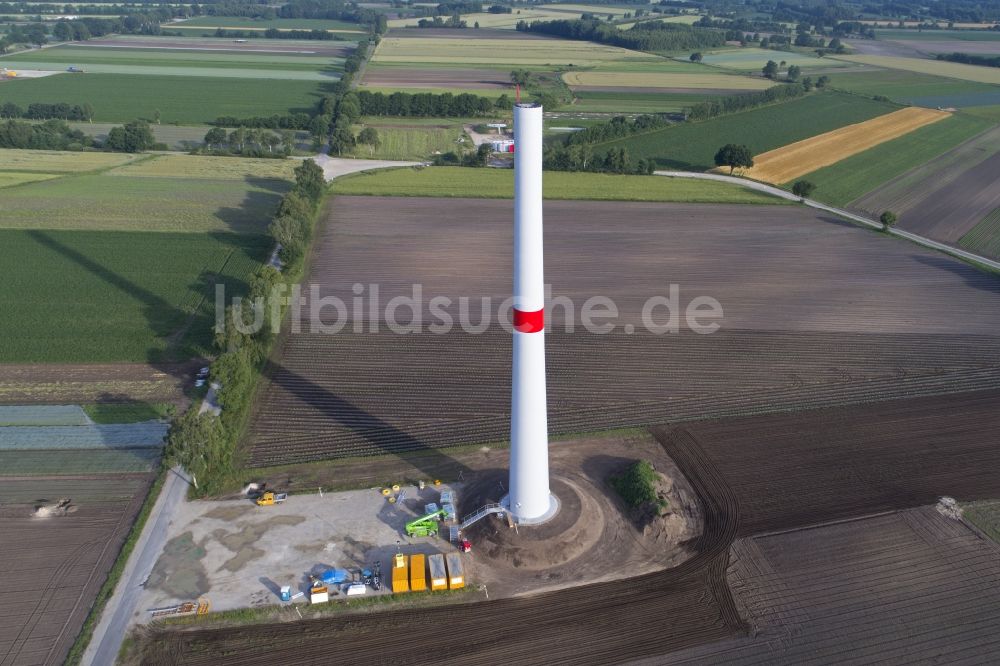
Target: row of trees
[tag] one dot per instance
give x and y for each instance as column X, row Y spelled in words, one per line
column 581, row 157
column 970, row 59
column 250, row 142
column 722, row 106
column 445, row 105
column 42, row 111
column 617, row 128
column 204, row 444
column 643, row 36
column 274, row 33
column 292, row 121
column 50, row 135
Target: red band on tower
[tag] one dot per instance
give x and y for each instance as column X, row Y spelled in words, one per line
column 529, row 322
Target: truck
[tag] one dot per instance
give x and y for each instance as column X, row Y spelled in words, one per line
column 270, row 498
column 439, row 575
column 456, row 573
column 400, row 574
column 418, row 573
column 426, row 525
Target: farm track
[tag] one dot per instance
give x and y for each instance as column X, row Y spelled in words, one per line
column 886, row 457
column 946, row 197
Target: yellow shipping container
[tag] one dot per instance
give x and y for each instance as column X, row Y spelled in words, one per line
column 456, row 573
column 418, row 573
column 400, row 575
column 439, row 576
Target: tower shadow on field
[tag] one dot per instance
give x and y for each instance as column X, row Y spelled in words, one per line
column 433, row 462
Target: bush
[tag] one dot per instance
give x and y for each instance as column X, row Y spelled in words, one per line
column 637, row 485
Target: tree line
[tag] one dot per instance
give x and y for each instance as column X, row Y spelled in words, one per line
column 722, row 106
column 970, row 59
column 445, row 105
column 250, row 142
column 205, row 444
column 43, row 111
column 132, row 137
column 617, row 128
column 644, row 36
column 274, row 33
column 581, row 157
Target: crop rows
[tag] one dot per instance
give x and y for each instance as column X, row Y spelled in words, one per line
column 110, row 436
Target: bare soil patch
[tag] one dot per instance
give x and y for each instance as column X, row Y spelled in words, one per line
column 82, row 383
column 817, row 312
column 53, row 566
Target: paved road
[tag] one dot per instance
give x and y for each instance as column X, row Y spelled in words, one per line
column 769, row 189
column 117, row 615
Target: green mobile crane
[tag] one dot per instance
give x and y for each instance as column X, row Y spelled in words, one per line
column 425, row 525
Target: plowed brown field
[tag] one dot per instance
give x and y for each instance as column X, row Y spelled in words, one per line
column 816, row 313
column 53, row 568
column 836, row 464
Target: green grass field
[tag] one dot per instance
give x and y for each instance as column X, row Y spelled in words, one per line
column 182, row 100
column 412, row 143
column 60, row 161
column 80, row 296
column 693, row 145
column 754, row 59
column 913, row 87
column 859, row 174
column 499, row 184
column 991, row 112
column 11, row 178
column 938, row 35
column 984, row 238
column 109, row 202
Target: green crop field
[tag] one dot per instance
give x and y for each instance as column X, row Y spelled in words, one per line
column 412, row 143
column 991, row 112
column 939, row 35
column 236, row 22
column 986, row 516
column 913, row 87
column 80, row 296
column 631, row 102
column 86, row 461
column 753, row 59
column 952, row 70
column 984, row 238
column 182, row 100
column 105, row 202
column 11, row 178
column 501, row 53
column 859, row 174
column 499, row 184
column 60, row 161
column 693, row 145
column 214, row 168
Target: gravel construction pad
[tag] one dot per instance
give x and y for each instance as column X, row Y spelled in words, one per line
column 859, row 475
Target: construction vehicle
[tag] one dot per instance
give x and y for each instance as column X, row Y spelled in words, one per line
column 270, row 498
column 400, row 573
column 439, row 576
column 418, row 573
column 427, row 525
column 199, row 607
column 456, row 573
column 319, row 593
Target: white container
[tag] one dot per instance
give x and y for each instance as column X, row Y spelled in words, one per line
column 354, row 589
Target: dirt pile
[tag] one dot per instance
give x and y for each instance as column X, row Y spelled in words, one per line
column 63, row 507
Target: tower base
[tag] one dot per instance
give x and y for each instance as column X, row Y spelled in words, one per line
column 544, row 518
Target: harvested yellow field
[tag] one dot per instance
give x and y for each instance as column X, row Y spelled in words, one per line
column 665, row 80
column 953, row 70
column 796, row 159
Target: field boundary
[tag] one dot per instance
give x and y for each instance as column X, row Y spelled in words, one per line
column 970, row 257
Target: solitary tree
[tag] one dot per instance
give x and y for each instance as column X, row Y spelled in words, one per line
column 369, row 137
column 888, row 220
column 822, row 81
column 215, row 137
column 520, row 77
column 733, row 155
column 770, row 70
column 793, row 72
column 803, row 188
column 807, row 83
column 156, row 116
column 696, row 56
